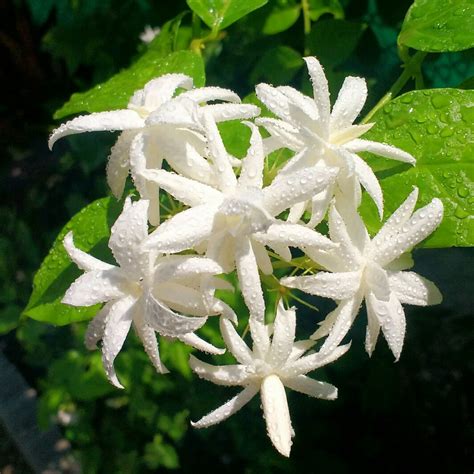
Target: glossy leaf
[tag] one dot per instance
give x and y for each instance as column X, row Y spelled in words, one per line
column 91, row 227
column 116, row 92
column 281, row 18
column 438, row 25
column 436, row 127
column 317, row 8
column 219, row 14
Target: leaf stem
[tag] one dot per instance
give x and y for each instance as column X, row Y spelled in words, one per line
column 411, row 69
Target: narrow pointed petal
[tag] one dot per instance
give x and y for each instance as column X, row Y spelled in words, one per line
column 228, row 409
column 382, row 149
column 158, row 91
column 235, row 343
column 347, row 135
column 225, row 174
column 404, row 262
column 337, row 286
column 193, row 340
column 82, row 259
column 283, row 132
column 294, row 235
column 320, row 88
column 376, row 280
column 228, row 375
column 346, row 312
column 167, row 322
column 396, row 221
column 325, row 326
column 392, row 320
column 411, row 288
column 150, row 343
column 118, row 165
column 349, row 102
column 370, row 182
column 277, row 414
column 97, row 286
column 95, row 329
column 179, row 112
column 264, row 262
column 182, row 266
column 372, row 331
column 299, row 186
column 100, row 121
column 207, row 94
column 225, row 112
column 422, row 223
column 182, row 298
column 319, row 206
column 303, row 102
column 299, row 348
column 311, row 387
column 127, row 234
column 296, row 212
column 117, row 326
column 283, row 336
column 273, row 99
column 314, row 361
column 251, row 172
column 188, row 191
column 183, row 231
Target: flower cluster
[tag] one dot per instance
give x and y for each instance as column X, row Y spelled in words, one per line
column 232, row 219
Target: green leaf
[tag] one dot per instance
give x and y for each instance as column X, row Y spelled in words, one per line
column 219, row 14
column 438, row 25
column 167, row 41
column 333, row 41
column 280, row 19
column 116, row 92
column 236, row 137
column 277, row 66
column 317, row 8
column 91, row 227
column 436, row 127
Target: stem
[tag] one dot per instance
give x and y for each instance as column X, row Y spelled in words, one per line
column 306, row 22
column 411, row 69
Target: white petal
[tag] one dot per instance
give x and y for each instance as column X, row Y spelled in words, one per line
column 349, row 102
column 228, row 409
column 224, row 112
column 299, row 348
column 395, row 222
column 160, row 90
column 117, row 326
column 357, row 145
column 249, row 281
column 294, row 235
column 311, row 387
column 337, row 286
column 274, row 100
column 95, row 329
column 100, row 121
column 422, row 223
column 183, row 231
column 276, row 413
column 182, row 298
column 179, row 112
column 369, row 181
column 296, row 212
column 345, row 312
column 319, row 206
column 188, row 191
column 195, row 341
column 225, row 174
column 264, row 262
column 296, row 187
column 220, row 375
column 404, row 262
column 283, row 336
column 392, row 320
column 127, row 234
column 118, row 165
column 82, row 259
column 182, row 266
column 372, row 331
column 167, row 322
column 251, row 172
column 320, row 88
column 206, row 94
column 303, row 102
column 150, row 343
column 235, row 343
column 411, row 288
column 283, row 134
column 314, row 361
column 97, row 286
column 376, row 280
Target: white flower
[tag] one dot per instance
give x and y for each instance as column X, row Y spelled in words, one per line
column 140, row 290
column 372, row 270
column 268, row 368
column 149, row 33
column 330, row 136
column 236, row 218
column 166, row 127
